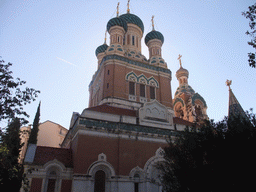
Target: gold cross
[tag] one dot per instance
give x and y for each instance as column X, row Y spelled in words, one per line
column 153, row 26
column 128, row 6
column 105, row 37
column 179, row 58
column 228, row 83
column 117, row 9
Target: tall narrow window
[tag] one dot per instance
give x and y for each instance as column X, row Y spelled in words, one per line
column 136, row 187
column 51, row 185
column 124, row 40
column 99, row 183
column 131, row 88
column 137, row 41
column 152, row 93
column 51, row 181
column 142, row 90
column 128, row 39
column 118, row 39
column 133, row 41
column 136, row 182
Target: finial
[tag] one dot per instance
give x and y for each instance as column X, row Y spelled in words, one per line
column 228, row 83
column 105, row 39
column 117, row 9
column 179, row 58
column 153, row 26
column 128, row 6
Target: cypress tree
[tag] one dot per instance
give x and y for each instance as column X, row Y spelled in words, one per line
column 10, row 169
column 34, row 131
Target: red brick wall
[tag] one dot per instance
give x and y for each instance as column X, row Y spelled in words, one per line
column 36, row 185
column 114, row 84
column 122, row 154
column 66, row 185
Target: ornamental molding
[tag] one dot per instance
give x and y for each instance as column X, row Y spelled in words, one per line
column 131, row 76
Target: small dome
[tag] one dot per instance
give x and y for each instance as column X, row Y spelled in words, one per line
column 101, row 49
column 117, row 21
column 182, row 72
column 134, row 19
column 154, row 35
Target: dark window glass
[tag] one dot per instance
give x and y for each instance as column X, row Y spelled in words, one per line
column 136, row 187
column 152, row 93
column 99, row 183
column 51, row 185
column 142, row 90
column 131, row 88
column 128, row 39
column 132, row 40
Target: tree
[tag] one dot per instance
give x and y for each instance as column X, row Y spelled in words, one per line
column 10, row 169
column 251, row 15
column 33, row 135
column 217, row 157
column 12, row 96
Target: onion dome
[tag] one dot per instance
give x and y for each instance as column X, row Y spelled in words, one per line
column 101, row 49
column 154, row 35
column 134, row 19
column 182, row 72
column 117, row 21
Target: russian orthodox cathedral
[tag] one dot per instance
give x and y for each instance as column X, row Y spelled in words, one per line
column 115, row 143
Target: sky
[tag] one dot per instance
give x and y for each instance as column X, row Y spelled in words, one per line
column 52, row 46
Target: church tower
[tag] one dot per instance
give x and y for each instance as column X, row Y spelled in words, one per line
column 188, row 104
column 234, row 107
column 125, row 78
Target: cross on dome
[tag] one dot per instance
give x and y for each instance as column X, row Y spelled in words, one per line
column 153, row 25
column 128, row 6
column 117, row 9
column 179, row 58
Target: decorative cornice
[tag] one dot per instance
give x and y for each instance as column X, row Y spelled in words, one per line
column 113, row 126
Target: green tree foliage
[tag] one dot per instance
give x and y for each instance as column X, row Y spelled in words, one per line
column 34, row 132
column 10, row 169
column 13, row 95
column 217, row 157
column 251, row 15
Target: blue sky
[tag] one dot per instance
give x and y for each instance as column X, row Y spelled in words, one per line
column 52, row 46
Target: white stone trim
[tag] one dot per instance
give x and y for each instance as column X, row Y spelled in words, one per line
column 101, row 165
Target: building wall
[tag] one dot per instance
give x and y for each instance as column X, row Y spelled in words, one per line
column 111, row 82
column 51, row 134
column 122, row 154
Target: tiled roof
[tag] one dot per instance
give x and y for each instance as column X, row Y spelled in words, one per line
column 46, row 154
column 113, row 110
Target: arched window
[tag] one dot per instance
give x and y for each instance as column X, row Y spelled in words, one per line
column 99, row 181
column 52, row 180
column 136, row 182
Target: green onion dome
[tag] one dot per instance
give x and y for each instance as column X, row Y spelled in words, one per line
column 154, row 35
column 101, row 49
column 134, row 19
column 117, row 21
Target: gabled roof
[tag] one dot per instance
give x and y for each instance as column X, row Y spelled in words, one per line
column 46, row 154
column 113, row 110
